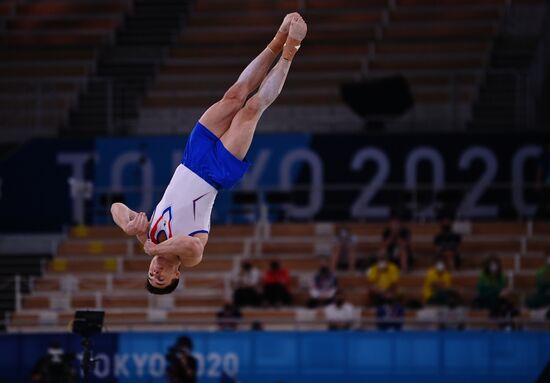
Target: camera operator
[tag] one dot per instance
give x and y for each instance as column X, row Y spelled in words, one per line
column 181, row 364
column 55, row 367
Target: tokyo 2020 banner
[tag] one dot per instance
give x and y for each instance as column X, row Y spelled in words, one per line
column 299, row 357
column 347, row 177
column 50, row 183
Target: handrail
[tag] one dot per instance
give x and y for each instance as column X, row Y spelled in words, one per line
column 362, row 325
column 18, row 298
column 412, row 199
column 341, row 186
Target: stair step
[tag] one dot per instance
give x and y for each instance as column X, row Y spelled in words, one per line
column 495, row 117
column 141, row 40
column 497, row 98
column 490, row 126
column 161, row 22
column 125, row 79
column 499, row 86
column 496, row 106
column 124, row 72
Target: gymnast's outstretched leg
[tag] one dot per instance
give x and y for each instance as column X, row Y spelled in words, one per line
column 238, row 137
column 219, row 116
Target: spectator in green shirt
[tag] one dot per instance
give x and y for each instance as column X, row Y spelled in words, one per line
column 491, row 283
column 542, row 296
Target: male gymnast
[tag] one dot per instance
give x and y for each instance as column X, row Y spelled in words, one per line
column 213, row 160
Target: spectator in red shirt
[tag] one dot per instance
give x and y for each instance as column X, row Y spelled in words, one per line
column 276, row 282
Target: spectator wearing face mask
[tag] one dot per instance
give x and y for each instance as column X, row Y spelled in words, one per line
column 541, row 297
column 276, row 284
column 339, row 314
column 491, row 283
column 323, row 287
column 246, row 284
column 437, row 284
column 344, row 255
column 383, row 280
column 447, row 243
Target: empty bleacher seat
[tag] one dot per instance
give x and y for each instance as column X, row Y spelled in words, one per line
column 49, row 45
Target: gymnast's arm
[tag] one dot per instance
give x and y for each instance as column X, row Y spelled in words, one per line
column 188, row 249
column 129, row 221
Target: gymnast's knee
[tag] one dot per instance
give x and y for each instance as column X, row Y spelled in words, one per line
column 254, row 107
column 235, row 96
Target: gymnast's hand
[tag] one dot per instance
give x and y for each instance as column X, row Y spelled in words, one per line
column 149, row 247
column 138, row 225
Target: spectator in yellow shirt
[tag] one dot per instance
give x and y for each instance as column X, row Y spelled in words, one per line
column 437, row 285
column 383, row 279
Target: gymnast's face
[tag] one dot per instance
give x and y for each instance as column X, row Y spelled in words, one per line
column 162, row 271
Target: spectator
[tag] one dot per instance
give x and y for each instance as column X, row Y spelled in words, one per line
column 542, row 295
column 543, row 183
column 396, row 243
column 437, row 285
column 383, row 279
column 229, row 317
column 256, row 326
column 181, row 365
column 276, row 282
column 246, row 283
column 339, row 314
column 491, row 283
column 344, row 252
column 447, row 243
column 505, row 313
column 454, row 316
column 55, row 367
column 323, row 287
column 390, row 314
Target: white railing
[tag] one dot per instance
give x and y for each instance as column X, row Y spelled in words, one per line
column 366, row 324
column 421, row 202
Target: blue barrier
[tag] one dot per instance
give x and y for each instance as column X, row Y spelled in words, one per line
column 303, row 357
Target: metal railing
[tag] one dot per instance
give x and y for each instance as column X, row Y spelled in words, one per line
column 363, row 324
column 11, row 289
column 420, row 202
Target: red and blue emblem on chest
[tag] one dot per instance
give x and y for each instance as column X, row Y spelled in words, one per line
column 162, row 224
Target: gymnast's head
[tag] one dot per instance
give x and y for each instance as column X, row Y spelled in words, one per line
column 163, row 275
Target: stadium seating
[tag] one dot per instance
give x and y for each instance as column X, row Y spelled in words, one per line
column 48, row 49
column 98, row 268
column 440, row 47
column 334, row 53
